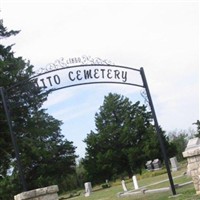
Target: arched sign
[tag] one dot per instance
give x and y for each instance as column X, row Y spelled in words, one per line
column 64, row 73
column 86, row 74
column 83, row 71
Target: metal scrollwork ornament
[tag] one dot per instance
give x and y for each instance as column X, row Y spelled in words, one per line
column 63, row 63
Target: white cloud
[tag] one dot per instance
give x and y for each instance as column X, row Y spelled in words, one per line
column 56, row 98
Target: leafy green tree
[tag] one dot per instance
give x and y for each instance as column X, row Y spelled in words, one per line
column 198, row 128
column 5, row 144
column 124, row 140
column 52, row 158
column 80, row 173
column 46, row 157
column 179, row 139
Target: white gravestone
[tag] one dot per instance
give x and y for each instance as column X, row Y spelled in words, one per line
column 149, row 165
column 135, row 183
column 174, row 164
column 88, row 189
column 156, row 164
column 124, row 186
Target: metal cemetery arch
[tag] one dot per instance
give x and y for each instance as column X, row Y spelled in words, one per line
column 84, row 71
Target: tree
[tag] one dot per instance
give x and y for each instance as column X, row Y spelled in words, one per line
column 46, row 157
column 81, row 173
column 52, row 158
column 5, row 144
column 124, row 140
column 179, row 139
column 198, row 128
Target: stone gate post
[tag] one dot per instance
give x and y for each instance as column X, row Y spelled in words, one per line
column 192, row 153
column 46, row 193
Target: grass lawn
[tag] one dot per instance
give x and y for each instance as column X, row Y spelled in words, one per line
column 183, row 193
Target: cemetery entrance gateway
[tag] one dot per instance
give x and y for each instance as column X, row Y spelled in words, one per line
column 83, row 71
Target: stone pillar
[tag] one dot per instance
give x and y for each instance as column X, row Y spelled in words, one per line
column 88, row 189
column 135, row 183
column 192, row 153
column 46, row 193
column 124, row 185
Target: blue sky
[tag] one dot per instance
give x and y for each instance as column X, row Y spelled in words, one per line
column 160, row 36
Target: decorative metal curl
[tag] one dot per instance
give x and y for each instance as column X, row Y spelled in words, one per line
column 63, row 63
column 97, row 60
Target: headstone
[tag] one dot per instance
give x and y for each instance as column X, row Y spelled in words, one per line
column 149, row 165
column 135, row 183
column 174, row 164
column 88, row 189
column 124, row 186
column 156, row 164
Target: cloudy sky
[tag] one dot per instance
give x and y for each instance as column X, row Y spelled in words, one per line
column 160, row 36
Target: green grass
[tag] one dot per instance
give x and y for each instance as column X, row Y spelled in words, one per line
column 186, row 193
column 146, row 180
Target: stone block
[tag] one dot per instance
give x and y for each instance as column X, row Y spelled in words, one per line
column 191, row 160
column 46, row 193
column 41, row 191
column 26, row 195
column 197, row 158
column 198, row 192
column 195, row 180
column 192, row 153
column 52, row 189
column 194, row 173
column 194, row 142
column 193, row 166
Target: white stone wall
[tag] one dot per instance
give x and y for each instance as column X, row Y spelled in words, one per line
column 193, row 168
column 46, row 193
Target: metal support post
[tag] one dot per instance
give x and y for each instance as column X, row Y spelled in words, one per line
column 158, row 130
column 5, row 105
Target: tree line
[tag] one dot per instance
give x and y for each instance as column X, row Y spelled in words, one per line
column 124, row 138
column 46, row 157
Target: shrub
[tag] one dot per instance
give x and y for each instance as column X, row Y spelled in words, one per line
column 105, row 185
